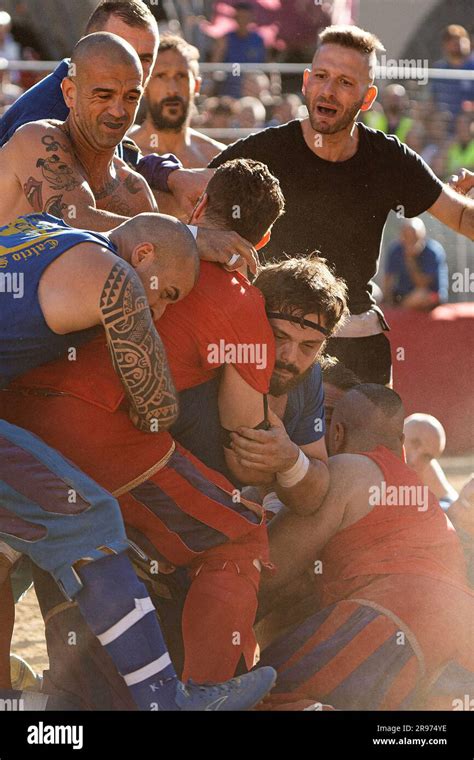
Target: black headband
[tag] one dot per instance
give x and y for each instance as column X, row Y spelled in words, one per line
column 299, row 321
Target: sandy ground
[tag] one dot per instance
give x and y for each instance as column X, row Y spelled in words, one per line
column 28, row 638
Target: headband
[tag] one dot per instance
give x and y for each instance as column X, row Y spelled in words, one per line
column 299, row 321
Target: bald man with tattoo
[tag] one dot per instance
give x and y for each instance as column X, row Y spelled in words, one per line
column 70, row 169
column 72, row 281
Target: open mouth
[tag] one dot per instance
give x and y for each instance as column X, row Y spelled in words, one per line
column 326, row 110
column 112, row 125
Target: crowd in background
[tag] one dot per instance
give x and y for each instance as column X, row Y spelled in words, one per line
column 436, row 120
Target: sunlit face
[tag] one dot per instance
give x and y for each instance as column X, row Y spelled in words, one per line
column 422, row 444
column 166, row 285
column 335, row 87
column 144, row 41
column 297, row 349
column 105, row 101
column 171, row 91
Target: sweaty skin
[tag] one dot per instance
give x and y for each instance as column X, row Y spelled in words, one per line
column 69, row 169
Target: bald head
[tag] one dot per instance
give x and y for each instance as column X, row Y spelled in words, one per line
column 425, row 439
column 163, row 252
column 102, row 48
column 367, row 416
column 102, row 91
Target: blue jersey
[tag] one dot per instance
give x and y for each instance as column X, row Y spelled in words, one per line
column 28, row 245
column 198, row 426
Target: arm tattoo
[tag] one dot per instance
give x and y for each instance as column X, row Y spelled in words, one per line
column 137, row 352
column 133, row 184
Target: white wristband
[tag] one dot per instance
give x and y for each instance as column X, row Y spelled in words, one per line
column 291, row 477
column 193, row 230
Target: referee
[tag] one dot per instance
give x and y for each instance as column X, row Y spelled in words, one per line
column 340, row 180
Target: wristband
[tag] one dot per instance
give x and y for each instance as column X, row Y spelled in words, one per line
column 291, row 477
column 156, row 169
column 193, row 230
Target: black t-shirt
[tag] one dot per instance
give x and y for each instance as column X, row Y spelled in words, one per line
column 339, row 208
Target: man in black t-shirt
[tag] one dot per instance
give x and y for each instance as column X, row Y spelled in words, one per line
column 340, row 180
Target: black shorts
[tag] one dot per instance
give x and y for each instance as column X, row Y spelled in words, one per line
column 370, row 358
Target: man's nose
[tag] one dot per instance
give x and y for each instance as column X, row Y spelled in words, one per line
column 117, row 109
column 328, row 87
column 289, row 353
column 172, row 86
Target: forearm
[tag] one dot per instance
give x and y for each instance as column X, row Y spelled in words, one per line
column 306, row 497
column 466, row 224
column 89, row 218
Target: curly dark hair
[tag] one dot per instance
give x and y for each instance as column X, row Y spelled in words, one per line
column 304, row 285
column 245, row 197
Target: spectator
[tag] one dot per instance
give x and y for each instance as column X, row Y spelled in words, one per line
column 257, row 85
column 9, row 49
column 219, row 113
column 425, row 441
column 416, row 275
column 250, row 113
column 8, row 92
column 438, row 128
column 416, row 138
column 393, row 119
column 461, row 151
column 285, row 108
column 452, row 93
column 241, row 46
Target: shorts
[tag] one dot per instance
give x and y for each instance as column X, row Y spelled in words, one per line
column 51, row 511
column 370, row 358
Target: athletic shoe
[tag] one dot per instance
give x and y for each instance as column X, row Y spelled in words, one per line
column 240, row 693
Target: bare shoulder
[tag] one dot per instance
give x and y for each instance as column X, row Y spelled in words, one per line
column 54, row 131
column 137, row 190
column 85, row 265
column 207, row 144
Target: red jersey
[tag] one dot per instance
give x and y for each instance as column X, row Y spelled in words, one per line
column 222, row 320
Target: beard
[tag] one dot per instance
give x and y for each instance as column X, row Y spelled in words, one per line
column 279, row 386
column 343, row 122
column 165, row 123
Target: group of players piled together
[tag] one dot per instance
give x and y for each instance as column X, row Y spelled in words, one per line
column 179, row 463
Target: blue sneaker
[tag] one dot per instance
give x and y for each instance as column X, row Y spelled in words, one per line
column 240, row 693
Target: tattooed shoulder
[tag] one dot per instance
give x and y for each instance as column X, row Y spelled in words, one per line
column 137, row 352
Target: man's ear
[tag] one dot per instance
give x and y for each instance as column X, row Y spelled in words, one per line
column 306, row 74
column 264, row 240
column 370, row 96
column 197, row 85
column 143, row 252
column 69, row 89
column 339, row 437
column 199, row 209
